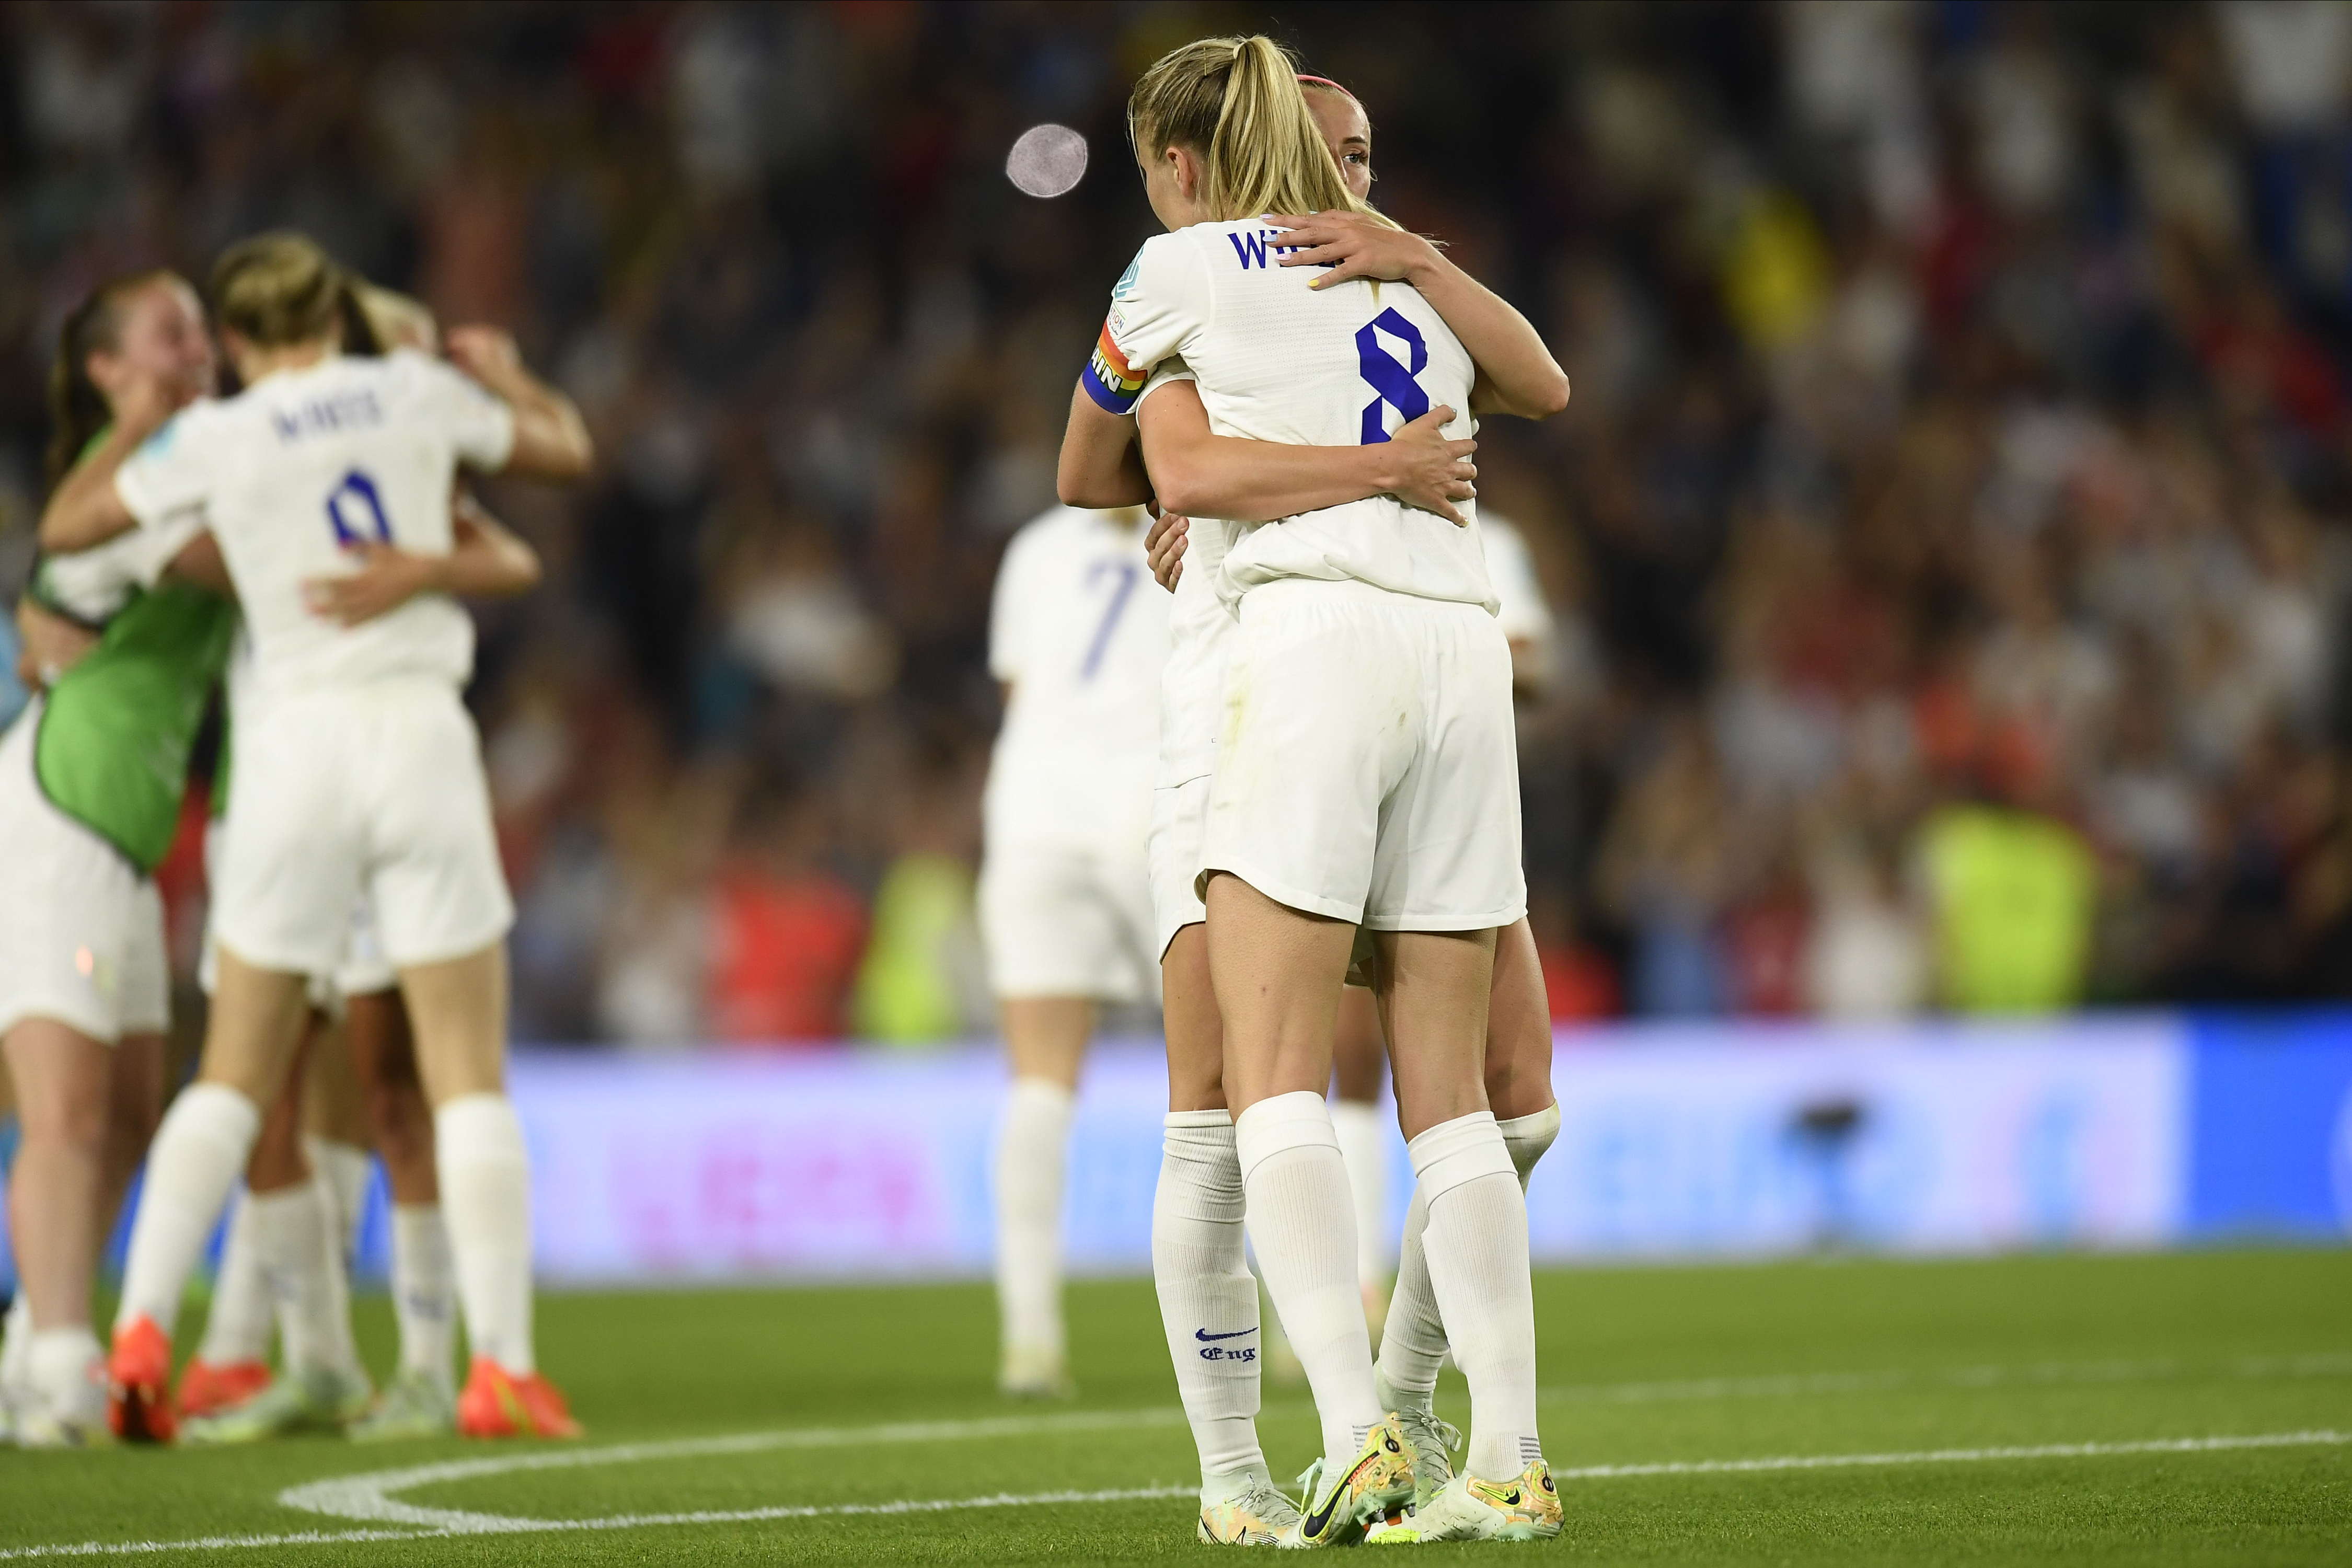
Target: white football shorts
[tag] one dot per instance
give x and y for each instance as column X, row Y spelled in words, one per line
column 81, row 929
column 1369, row 770
column 379, row 791
column 1180, row 822
column 1068, row 918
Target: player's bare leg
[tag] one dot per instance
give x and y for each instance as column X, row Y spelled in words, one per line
column 1046, row 1041
column 457, row 1009
column 65, row 1084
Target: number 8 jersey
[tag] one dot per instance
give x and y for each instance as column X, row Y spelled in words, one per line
column 1277, row 360
column 295, row 469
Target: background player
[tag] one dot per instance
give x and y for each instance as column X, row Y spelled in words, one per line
column 360, row 769
column 126, row 650
column 1078, row 638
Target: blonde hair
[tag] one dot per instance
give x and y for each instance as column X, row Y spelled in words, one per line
column 397, row 320
column 278, row 289
column 1238, row 104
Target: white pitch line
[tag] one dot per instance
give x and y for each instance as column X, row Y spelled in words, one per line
column 1957, row 1456
column 2050, row 1374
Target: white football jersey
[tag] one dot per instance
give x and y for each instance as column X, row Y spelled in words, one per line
column 306, row 462
column 1079, row 631
column 1521, row 610
column 1278, row 361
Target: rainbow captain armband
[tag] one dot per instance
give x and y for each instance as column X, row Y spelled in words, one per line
column 1109, row 379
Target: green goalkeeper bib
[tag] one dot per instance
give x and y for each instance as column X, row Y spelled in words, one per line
column 117, row 729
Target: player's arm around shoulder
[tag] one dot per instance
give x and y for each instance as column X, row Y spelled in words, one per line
column 1517, row 373
column 549, row 437
column 89, row 506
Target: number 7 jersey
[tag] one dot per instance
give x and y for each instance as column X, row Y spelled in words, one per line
column 1277, row 360
column 1078, row 631
column 294, row 470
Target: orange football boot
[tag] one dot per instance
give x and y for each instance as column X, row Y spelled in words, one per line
column 138, row 1384
column 500, row 1404
column 206, row 1389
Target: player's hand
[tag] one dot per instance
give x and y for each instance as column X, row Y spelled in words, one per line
column 148, row 403
column 1422, row 468
column 486, row 353
column 388, row 579
column 1353, row 245
column 1164, row 546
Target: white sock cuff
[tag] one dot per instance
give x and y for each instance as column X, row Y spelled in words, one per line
column 1198, row 1119
column 1526, row 1137
column 1459, row 1150
column 1039, row 1096
column 479, row 1127
column 1300, row 1120
column 219, row 1109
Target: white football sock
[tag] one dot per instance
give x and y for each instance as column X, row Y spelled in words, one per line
column 65, row 1373
column 347, row 1168
column 1208, row 1297
column 197, row 1156
column 1413, row 1344
column 1412, row 1341
column 16, row 1346
column 423, row 1293
column 1526, row 1137
column 1363, row 1134
column 294, row 1237
column 1033, row 1148
column 1303, row 1221
column 1476, row 1241
column 237, row 1327
column 486, row 1203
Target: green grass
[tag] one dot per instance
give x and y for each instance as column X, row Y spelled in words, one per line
column 1640, row 1366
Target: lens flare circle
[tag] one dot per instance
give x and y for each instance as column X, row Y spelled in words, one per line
column 1047, row 160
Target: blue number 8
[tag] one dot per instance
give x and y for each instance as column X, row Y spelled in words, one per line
column 1393, row 382
column 343, row 504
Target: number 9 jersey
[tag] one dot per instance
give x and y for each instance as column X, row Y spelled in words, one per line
column 356, row 769
column 1279, row 359
column 293, row 472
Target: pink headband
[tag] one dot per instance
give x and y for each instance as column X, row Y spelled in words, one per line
column 1305, row 80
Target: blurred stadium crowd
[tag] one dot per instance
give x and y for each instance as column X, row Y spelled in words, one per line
column 1947, row 535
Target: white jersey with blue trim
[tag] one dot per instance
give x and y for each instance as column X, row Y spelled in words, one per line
column 1279, row 361
column 1078, row 631
column 294, row 470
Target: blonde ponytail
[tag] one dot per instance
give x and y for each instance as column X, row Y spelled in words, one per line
column 278, row 289
column 1236, row 103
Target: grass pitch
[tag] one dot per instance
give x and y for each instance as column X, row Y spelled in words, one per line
column 2176, row 1409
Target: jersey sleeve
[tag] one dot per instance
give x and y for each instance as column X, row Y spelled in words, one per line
column 170, row 474
column 1161, row 301
column 480, row 427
